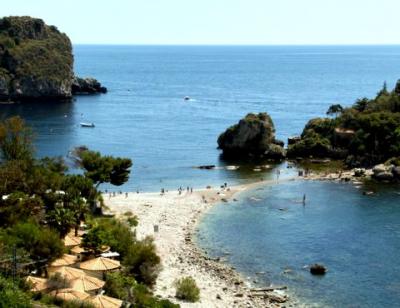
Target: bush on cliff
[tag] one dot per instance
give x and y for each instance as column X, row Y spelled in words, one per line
column 365, row 134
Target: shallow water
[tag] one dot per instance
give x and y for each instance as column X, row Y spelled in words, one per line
column 357, row 237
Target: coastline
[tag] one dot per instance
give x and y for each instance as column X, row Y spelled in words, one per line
column 177, row 216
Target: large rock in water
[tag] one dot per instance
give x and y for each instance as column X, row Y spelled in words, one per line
column 253, row 136
column 36, row 61
column 87, row 86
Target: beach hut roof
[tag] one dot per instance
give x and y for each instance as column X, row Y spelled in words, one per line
column 70, row 294
column 72, row 240
column 38, row 284
column 102, row 301
column 100, row 264
column 87, row 283
column 66, row 259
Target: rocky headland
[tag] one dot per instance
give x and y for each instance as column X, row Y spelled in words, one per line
column 36, row 61
column 253, row 137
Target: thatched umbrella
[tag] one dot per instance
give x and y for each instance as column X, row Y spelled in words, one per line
column 77, row 250
column 87, row 283
column 38, row 284
column 71, row 240
column 102, row 301
column 100, row 264
column 79, row 280
column 69, row 294
column 64, row 260
column 70, row 273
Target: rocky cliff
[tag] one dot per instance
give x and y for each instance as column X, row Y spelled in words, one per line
column 36, row 60
column 252, row 137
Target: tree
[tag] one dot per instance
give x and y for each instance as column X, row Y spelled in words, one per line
column 33, row 240
column 62, row 219
column 334, row 109
column 105, row 169
column 15, row 140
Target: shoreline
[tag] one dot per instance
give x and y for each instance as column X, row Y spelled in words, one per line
column 177, row 217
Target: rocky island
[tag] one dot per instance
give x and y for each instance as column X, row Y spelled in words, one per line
column 252, row 137
column 36, row 61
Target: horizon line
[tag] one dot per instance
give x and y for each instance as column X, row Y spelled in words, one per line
column 240, row 45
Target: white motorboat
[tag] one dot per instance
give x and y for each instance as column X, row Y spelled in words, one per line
column 83, row 124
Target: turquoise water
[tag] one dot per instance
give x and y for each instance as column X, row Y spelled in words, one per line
column 357, row 237
column 144, row 117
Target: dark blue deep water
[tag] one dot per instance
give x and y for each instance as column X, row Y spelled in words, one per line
column 144, row 117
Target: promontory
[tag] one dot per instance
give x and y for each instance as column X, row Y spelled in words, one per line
column 36, row 61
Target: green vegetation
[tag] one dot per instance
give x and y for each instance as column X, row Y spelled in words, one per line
column 104, row 169
column 36, row 57
column 186, row 289
column 40, row 203
column 122, row 286
column 139, row 258
column 13, row 294
column 365, row 134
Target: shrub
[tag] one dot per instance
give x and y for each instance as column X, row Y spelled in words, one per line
column 187, row 289
column 142, row 261
column 11, row 296
column 122, row 286
column 110, row 232
column 132, row 221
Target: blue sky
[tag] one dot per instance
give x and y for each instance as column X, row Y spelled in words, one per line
column 239, row 22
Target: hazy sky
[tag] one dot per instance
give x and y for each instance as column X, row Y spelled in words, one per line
column 218, row 21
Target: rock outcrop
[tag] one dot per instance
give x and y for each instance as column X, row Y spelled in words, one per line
column 252, row 137
column 87, row 86
column 386, row 173
column 36, row 61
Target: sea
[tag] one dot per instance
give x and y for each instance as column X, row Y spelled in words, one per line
column 145, row 117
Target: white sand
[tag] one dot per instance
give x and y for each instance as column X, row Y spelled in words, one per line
column 176, row 216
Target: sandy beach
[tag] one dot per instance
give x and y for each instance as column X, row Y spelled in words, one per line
column 176, row 216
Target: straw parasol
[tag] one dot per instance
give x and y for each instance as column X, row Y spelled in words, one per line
column 77, row 250
column 70, row 295
column 100, row 264
column 70, row 273
column 87, row 283
column 102, row 301
column 71, row 240
column 79, row 280
column 38, row 284
column 64, row 260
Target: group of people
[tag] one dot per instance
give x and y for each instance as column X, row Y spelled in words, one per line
column 188, row 189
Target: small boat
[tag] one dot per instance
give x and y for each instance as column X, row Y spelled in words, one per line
column 187, row 98
column 83, row 124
